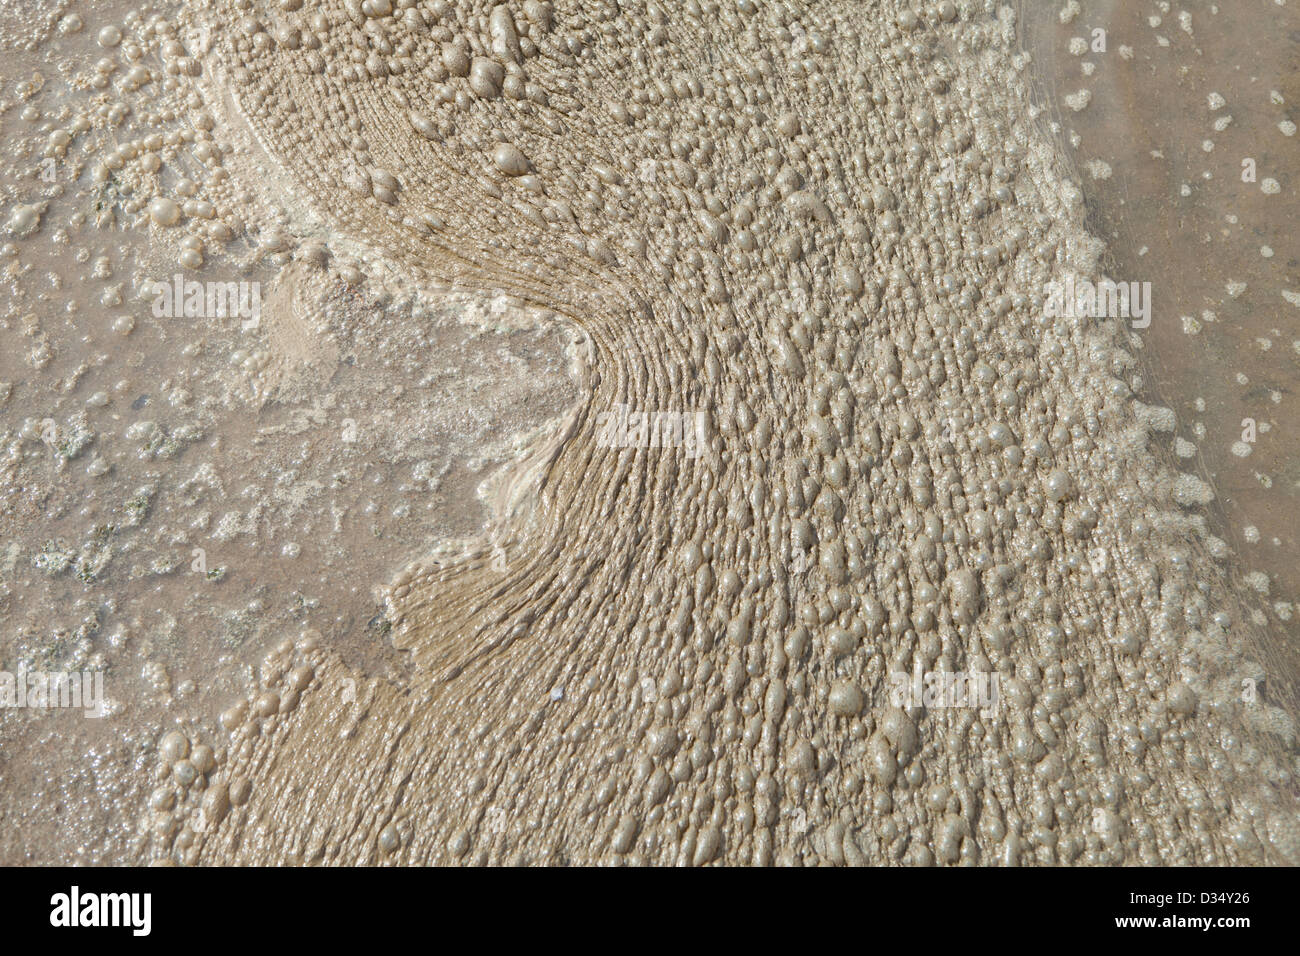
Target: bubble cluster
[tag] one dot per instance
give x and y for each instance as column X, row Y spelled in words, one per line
column 828, row 230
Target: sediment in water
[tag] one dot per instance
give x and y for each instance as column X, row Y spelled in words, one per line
column 829, row 231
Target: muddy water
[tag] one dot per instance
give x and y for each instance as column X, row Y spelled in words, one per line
column 1181, row 132
column 175, row 500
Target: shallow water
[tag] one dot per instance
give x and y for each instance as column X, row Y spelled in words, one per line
column 1182, row 98
column 184, row 494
